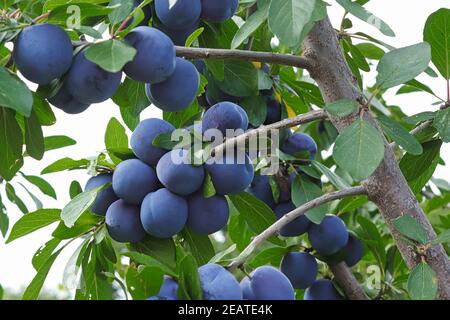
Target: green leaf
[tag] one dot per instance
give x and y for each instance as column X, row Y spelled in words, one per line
column 240, row 78
column 44, row 253
column 33, row 221
column 303, row 191
column 52, row 4
column 413, row 166
column 268, row 256
column 86, row 222
column 361, row 13
column 442, row 238
column 14, row 93
column 422, row 283
column 400, row 135
column 60, row 15
column 65, row 164
column 43, row 185
column 122, row 12
column 411, row 228
column 208, row 187
column 75, row 189
column 359, row 149
column 342, row 108
column 442, row 124
column 437, row 34
column 251, row 24
column 12, row 196
column 115, row 137
column 78, row 205
column 145, row 282
column 200, row 246
column 162, row 250
column 131, row 96
column 4, row 221
column 256, row 109
column 1, row 292
column 189, row 281
column 34, row 137
column 370, row 235
column 193, row 36
column 238, row 230
column 150, row 261
column 58, row 142
column 110, row 55
column 10, row 144
column 338, row 182
column 401, row 65
column 43, row 111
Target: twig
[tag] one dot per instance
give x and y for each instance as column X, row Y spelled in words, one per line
column 41, row 17
column 289, row 217
column 268, row 57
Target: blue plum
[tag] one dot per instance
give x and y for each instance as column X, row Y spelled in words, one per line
column 218, row 10
column 229, row 174
column 133, row 180
column 42, row 53
column 143, row 136
column 147, row 13
column 179, row 14
column 123, row 222
column 273, row 111
column 89, row 83
column 218, row 283
column 322, row 289
column 295, row 228
column 163, row 213
column 179, row 36
column 299, row 144
column 168, row 290
column 354, row 251
column 329, row 236
column 269, row 283
column 105, row 197
column 246, row 287
column 262, row 190
column 65, row 101
column 178, row 91
column 177, row 174
column 300, row 268
column 207, row 215
column 223, row 116
column 155, row 58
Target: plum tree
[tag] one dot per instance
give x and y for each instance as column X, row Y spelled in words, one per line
column 163, row 213
column 123, row 222
column 354, row 251
column 207, row 215
column 218, row 283
column 43, row 53
column 179, row 14
column 300, row 268
column 89, row 83
column 322, row 289
column 143, row 136
column 105, row 197
column 229, row 174
column 178, row 91
column 295, row 228
column 298, row 144
column 268, row 283
column 329, row 236
column 177, row 174
column 218, row 10
column 168, row 290
column 261, row 189
column 223, row 116
column 155, row 51
column 133, row 180
column 65, row 101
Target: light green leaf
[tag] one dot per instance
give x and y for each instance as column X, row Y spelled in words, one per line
column 422, row 283
column 442, row 124
column 400, row 135
column 303, row 191
column 44, row 253
column 14, row 94
column 78, row 205
column 145, row 282
column 111, row 55
column 335, row 180
column 342, row 108
column 65, row 164
column 115, row 138
column 189, row 281
column 444, row 237
column 43, row 185
column 409, row 227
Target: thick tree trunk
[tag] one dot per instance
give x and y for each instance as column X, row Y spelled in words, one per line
column 387, row 187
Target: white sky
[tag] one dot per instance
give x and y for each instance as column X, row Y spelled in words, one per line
column 406, row 18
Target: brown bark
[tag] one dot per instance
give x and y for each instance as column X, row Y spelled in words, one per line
column 387, row 187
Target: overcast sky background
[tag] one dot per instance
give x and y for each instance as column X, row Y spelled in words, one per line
column 406, row 18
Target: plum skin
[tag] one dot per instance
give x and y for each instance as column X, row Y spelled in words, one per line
column 163, row 213
column 143, row 136
column 218, row 10
column 183, row 13
column 207, row 215
column 300, row 142
column 177, row 174
column 89, row 83
column 133, row 180
column 43, row 53
column 178, row 91
column 155, row 58
column 329, row 236
column 179, row 36
column 228, row 176
column 105, row 197
column 66, row 102
column 295, row 228
column 262, row 190
column 300, row 268
column 322, row 289
column 218, row 283
column 123, row 222
column 168, row 290
column 246, row 288
column 268, row 283
column 225, row 115
column 354, row 251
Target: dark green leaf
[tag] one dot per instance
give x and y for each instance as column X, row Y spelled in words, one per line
column 34, row 137
column 44, row 253
column 57, row 142
column 10, row 144
column 189, row 281
column 342, row 108
column 442, row 124
column 200, row 246
column 14, row 93
column 422, row 283
column 303, row 191
column 43, row 185
column 400, row 135
column 65, row 164
column 144, row 283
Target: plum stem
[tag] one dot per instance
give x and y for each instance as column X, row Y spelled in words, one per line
column 41, row 17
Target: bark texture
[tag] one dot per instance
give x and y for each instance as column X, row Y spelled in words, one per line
column 387, row 187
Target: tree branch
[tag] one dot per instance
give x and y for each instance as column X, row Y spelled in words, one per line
column 347, row 281
column 289, row 217
column 286, row 123
column 268, row 57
